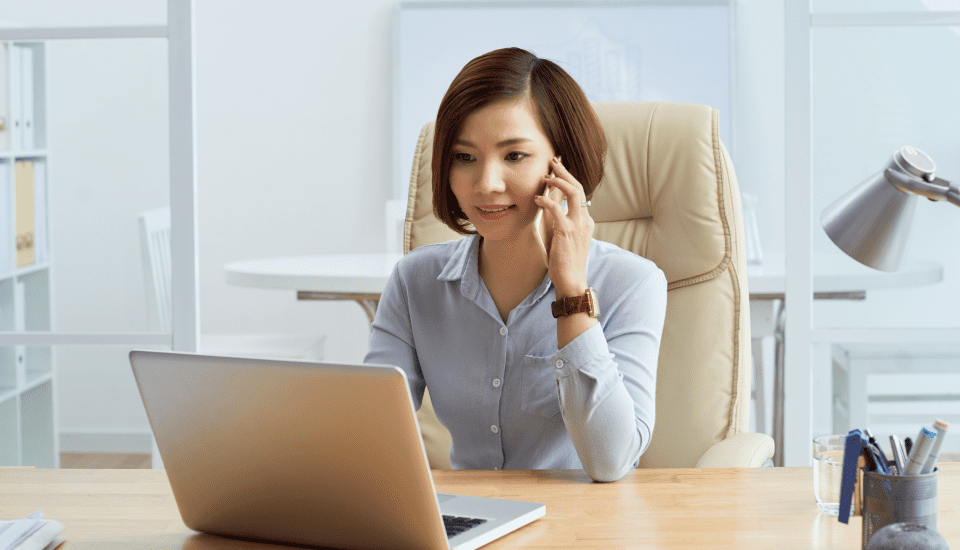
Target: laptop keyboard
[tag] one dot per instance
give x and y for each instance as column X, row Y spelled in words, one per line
column 456, row 525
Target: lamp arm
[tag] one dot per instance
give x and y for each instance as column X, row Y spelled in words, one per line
column 953, row 195
column 936, row 190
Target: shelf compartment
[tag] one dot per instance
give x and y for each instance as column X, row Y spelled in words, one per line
column 8, row 369
column 39, row 364
column 36, row 406
column 36, row 300
column 9, row 435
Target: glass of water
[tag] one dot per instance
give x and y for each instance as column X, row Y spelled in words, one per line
column 828, row 471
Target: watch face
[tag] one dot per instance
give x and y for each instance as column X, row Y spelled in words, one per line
column 594, row 304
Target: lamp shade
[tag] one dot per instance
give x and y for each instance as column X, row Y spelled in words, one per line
column 871, row 222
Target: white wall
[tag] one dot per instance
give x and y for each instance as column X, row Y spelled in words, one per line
column 294, row 102
column 294, row 129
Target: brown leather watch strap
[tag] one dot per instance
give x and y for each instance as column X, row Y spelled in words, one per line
column 575, row 304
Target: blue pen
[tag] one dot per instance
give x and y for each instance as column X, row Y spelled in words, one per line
column 875, row 459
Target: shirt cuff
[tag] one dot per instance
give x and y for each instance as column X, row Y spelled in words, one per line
column 589, row 347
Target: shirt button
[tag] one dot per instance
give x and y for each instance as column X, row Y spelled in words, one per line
column 503, row 331
column 494, row 429
column 559, row 363
column 496, row 382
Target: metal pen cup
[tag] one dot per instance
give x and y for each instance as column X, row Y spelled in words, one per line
column 894, row 499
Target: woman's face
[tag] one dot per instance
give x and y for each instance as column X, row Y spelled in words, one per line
column 499, row 161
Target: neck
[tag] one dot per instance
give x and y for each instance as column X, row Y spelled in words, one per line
column 511, row 270
column 519, row 259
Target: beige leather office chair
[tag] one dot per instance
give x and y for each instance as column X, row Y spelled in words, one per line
column 670, row 195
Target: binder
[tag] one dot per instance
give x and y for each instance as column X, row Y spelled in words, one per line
column 6, row 216
column 15, row 124
column 40, row 210
column 26, row 96
column 4, row 104
column 23, row 177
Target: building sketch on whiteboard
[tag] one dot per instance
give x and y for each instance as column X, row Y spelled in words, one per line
column 606, row 69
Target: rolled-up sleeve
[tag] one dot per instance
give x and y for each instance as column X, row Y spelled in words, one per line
column 606, row 379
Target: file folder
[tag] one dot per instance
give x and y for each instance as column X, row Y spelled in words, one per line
column 6, row 215
column 40, row 211
column 15, row 122
column 4, row 102
column 23, row 176
column 26, row 96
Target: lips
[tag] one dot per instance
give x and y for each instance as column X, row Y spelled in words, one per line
column 492, row 212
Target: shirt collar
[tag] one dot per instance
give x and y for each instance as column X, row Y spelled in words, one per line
column 463, row 266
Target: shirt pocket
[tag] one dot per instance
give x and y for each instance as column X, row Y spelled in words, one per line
column 539, row 394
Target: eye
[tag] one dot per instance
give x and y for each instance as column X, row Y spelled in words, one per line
column 462, row 157
column 516, row 156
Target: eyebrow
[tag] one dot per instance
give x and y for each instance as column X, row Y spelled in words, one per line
column 504, row 143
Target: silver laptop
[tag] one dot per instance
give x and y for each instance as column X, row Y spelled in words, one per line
column 307, row 453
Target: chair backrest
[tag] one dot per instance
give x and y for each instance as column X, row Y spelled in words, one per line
column 669, row 194
column 155, row 249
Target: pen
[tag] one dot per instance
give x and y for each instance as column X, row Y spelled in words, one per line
column 921, row 451
column 898, row 455
column 876, row 462
column 907, row 444
column 941, row 427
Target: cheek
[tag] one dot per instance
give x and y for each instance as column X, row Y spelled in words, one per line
column 459, row 186
column 531, row 182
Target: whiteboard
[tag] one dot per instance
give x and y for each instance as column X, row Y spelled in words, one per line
column 630, row 51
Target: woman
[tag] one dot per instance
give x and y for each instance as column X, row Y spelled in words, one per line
column 503, row 341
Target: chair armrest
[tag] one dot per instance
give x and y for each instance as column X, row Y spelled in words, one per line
column 746, row 450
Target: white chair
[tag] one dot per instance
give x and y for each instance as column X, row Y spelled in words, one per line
column 155, row 245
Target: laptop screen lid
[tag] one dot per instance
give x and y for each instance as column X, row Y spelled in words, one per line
column 291, row 451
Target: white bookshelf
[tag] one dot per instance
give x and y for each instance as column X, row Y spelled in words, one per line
column 28, row 412
column 28, row 420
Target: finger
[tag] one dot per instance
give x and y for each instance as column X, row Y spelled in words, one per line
column 560, row 170
column 551, row 207
column 571, row 192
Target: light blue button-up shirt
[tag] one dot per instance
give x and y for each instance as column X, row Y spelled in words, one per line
column 508, row 396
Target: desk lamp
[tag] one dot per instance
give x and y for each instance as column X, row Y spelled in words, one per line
column 871, row 222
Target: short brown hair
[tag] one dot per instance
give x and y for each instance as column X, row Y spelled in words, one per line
column 562, row 109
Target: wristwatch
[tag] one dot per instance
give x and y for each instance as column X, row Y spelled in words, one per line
column 577, row 304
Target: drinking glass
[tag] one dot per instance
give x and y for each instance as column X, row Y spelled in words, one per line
column 827, row 472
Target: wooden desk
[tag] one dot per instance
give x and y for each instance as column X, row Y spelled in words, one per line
column 759, row 508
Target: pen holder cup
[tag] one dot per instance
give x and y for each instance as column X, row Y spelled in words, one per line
column 893, row 499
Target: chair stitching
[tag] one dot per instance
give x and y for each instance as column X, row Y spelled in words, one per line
column 734, row 279
column 725, row 261
column 413, row 188
column 646, row 175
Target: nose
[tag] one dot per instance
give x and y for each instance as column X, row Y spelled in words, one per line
column 489, row 180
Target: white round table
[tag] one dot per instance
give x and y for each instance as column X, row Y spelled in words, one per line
column 358, row 277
